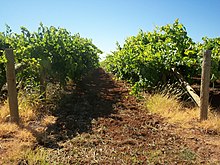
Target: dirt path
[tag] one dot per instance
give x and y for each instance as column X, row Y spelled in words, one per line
column 98, row 122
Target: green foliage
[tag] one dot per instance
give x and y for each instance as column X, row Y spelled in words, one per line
column 2, row 61
column 146, row 59
column 188, row 155
column 214, row 45
column 52, row 51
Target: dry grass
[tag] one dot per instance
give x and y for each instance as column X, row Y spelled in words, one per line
column 213, row 123
column 7, row 129
column 4, row 112
column 26, row 111
column 47, row 120
column 37, row 156
column 13, row 138
column 17, row 139
column 174, row 112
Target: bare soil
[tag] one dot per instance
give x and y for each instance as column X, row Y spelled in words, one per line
column 98, row 122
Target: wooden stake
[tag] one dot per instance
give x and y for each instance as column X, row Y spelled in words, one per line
column 189, row 89
column 205, row 80
column 11, row 81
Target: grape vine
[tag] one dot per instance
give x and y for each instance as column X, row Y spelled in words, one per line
column 50, row 54
column 147, row 59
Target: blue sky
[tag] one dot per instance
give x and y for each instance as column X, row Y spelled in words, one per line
column 108, row 21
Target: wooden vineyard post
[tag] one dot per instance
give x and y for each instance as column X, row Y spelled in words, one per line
column 188, row 88
column 205, row 80
column 12, row 91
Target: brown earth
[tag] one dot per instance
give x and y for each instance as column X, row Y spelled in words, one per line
column 98, row 122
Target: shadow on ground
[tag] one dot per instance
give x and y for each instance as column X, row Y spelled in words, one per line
column 92, row 98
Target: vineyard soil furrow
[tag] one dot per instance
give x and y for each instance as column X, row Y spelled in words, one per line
column 98, row 122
